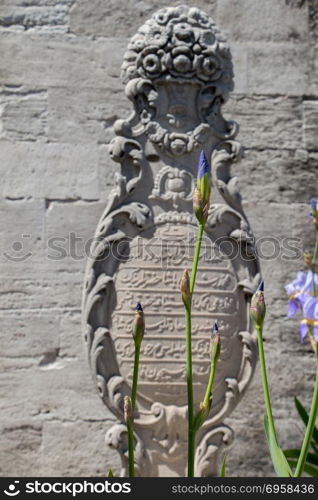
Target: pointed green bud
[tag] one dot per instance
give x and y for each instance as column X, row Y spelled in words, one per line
column 307, row 259
column 215, row 343
column 258, row 307
column 128, row 410
column 185, row 288
column 138, row 326
column 202, row 193
column 202, row 414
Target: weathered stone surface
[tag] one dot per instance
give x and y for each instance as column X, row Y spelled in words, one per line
column 310, row 128
column 265, row 122
column 21, row 445
column 33, row 177
column 86, row 115
column 53, row 380
column 277, row 68
column 69, row 235
column 271, row 68
column 24, row 114
column 69, row 57
column 80, row 453
column 288, row 176
column 51, row 15
column 121, row 17
column 18, row 341
column 38, row 170
column 242, row 20
column 21, row 243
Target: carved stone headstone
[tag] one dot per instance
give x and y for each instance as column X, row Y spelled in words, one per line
column 178, row 74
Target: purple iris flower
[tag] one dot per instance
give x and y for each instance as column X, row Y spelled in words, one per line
column 300, row 297
column 310, row 311
column 203, row 165
column 299, row 290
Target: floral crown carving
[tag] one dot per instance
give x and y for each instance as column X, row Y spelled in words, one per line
column 179, row 43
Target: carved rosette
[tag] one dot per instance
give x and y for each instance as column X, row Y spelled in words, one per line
column 178, row 73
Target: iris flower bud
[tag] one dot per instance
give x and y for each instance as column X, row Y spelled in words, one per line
column 258, row 307
column 314, row 212
column 128, row 410
column 215, row 343
column 202, row 193
column 185, row 288
column 307, row 259
column 205, row 405
column 138, row 326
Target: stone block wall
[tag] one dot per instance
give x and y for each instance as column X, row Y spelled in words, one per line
column 60, row 94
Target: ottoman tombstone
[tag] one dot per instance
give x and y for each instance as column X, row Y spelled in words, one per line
column 178, row 74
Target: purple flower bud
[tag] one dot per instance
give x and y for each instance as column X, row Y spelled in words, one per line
column 314, row 211
column 215, row 343
column 202, row 193
column 313, row 205
column 138, row 326
column 258, row 307
column 203, row 165
column 214, row 330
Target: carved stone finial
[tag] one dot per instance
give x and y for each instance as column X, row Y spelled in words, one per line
column 180, row 43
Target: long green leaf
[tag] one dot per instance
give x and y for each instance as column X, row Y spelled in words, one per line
column 223, row 467
column 309, row 469
column 304, row 416
column 311, row 457
column 279, row 460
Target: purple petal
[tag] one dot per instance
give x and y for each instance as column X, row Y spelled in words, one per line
column 302, row 331
column 310, row 308
column 293, row 308
column 315, row 331
column 313, row 204
column 307, row 287
column 296, row 285
column 203, row 165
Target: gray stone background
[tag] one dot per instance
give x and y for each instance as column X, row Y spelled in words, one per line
column 60, row 94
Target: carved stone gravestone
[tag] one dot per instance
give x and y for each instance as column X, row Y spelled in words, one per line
column 178, row 74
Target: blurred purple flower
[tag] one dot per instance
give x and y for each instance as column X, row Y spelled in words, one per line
column 314, row 212
column 314, row 207
column 301, row 298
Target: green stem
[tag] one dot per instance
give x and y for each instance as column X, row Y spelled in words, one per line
column 130, row 426
column 210, row 383
column 309, row 429
column 190, row 393
column 135, row 375
column 196, row 257
column 131, row 468
column 259, row 330
column 191, row 432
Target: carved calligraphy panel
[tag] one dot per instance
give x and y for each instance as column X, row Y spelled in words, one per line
column 151, row 275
